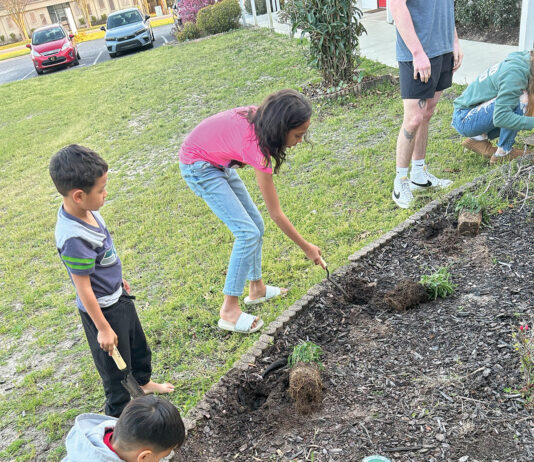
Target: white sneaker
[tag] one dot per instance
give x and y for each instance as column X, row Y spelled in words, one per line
column 423, row 179
column 402, row 195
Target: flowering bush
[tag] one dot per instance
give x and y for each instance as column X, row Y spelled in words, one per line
column 188, row 9
column 487, row 13
column 524, row 345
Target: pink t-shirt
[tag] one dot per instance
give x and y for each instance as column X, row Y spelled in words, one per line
column 226, row 139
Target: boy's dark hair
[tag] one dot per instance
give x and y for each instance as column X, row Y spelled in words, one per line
column 149, row 421
column 281, row 111
column 76, row 167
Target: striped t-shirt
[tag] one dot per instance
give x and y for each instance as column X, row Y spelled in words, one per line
column 88, row 250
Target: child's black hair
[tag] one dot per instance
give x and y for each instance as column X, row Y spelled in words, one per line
column 76, row 167
column 149, row 421
column 281, row 112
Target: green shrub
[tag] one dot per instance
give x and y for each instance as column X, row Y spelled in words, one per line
column 2, row 39
column 81, row 21
column 487, row 13
column 93, row 19
column 13, row 36
column 219, row 17
column 189, row 32
column 334, row 29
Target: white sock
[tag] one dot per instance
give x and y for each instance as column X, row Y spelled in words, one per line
column 418, row 166
column 402, row 172
column 482, row 137
column 501, row 152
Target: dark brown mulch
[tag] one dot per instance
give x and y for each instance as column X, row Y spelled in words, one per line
column 490, row 35
column 320, row 89
column 425, row 384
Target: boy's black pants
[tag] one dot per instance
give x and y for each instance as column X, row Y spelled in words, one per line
column 133, row 347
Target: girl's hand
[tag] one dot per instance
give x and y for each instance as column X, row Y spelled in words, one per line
column 126, row 286
column 313, row 253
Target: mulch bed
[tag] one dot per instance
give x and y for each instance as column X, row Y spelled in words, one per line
column 423, row 384
column 319, row 90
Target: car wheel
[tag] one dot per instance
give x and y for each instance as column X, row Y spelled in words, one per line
column 112, row 55
column 78, row 55
column 76, row 61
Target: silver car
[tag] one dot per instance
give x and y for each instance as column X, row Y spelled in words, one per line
column 126, row 30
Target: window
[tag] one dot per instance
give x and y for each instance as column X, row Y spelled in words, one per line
column 33, row 19
column 43, row 19
column 101, row 4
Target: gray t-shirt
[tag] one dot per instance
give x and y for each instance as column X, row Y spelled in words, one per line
column 89, row 250
column 433, row 21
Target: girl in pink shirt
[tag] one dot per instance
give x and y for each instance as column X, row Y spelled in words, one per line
column 208, row 159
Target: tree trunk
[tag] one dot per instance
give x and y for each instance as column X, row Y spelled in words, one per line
column 19, row 21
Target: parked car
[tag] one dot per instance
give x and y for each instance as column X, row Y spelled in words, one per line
column 52, row 46
column 126, row 30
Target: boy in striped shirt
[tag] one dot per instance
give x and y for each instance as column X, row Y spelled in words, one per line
column 102, row 295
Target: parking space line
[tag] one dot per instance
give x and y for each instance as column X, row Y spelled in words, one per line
column 99, row 54
column 27, row 74
column 163, row 37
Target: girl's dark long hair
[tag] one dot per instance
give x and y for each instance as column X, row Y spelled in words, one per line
column 281, row 111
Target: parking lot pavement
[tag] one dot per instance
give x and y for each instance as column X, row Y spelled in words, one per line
column 93, row 52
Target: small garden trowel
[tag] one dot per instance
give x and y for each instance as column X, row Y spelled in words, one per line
column 128, row 381
column 325, row 266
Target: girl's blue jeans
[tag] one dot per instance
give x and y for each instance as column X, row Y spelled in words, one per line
column 226, row 195
column 479, row 120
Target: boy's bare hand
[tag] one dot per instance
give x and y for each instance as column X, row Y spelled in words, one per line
column 107, row 339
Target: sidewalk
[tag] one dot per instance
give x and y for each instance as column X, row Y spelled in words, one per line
column 379, row 45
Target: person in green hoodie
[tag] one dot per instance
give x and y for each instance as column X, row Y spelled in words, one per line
column 498, row 104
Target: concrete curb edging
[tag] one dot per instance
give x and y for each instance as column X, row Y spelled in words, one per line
column 203, row 407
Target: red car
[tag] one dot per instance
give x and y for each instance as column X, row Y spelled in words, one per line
column 51, row 46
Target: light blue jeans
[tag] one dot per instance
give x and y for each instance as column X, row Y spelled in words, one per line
column 226, row 195
column 479, row 119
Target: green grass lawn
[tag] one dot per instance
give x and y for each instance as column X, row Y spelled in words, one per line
column 135, row 112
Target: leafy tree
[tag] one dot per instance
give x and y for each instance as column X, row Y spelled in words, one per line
column 334, row 29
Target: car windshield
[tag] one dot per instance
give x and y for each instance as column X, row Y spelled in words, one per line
column 121, row 19
column 47, row 35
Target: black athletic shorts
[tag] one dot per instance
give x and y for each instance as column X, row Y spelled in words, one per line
column 440, row 78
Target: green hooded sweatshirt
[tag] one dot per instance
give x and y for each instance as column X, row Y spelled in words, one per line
column 504, row 81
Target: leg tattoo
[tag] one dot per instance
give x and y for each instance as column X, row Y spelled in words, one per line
column 421, row 103
column 408, row 135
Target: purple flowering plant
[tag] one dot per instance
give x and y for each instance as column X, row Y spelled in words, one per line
column 188, row 9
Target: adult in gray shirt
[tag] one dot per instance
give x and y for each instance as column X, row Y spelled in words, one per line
column 428, row 52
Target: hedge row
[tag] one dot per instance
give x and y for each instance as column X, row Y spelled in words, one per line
column 481, row 14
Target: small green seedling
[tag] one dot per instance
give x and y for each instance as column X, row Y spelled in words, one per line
column 474, row 204
column 305, row 352
column 470, row 203
column 438, row 284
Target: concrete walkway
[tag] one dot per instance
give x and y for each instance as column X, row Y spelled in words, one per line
column 379, row 45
